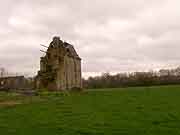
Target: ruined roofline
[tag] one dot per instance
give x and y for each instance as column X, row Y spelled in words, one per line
column 58, row 42
column 73, row 51
column 67, row 46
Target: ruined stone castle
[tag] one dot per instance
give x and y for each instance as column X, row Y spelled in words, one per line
column 60, row 68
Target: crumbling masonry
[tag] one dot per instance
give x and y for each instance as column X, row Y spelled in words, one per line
column 60, row 68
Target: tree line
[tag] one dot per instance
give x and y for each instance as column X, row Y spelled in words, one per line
column 161, row 77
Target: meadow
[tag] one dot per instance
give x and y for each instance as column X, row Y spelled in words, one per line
column 126, row 111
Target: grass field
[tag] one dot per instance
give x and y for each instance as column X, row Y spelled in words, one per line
column 124, row 111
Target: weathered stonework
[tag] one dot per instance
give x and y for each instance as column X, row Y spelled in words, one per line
column 13, row 83
column 60, row 68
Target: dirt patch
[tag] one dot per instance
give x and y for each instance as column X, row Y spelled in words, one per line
column 9, row 103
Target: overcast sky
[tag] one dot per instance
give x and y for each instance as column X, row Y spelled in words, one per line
column 109, row 35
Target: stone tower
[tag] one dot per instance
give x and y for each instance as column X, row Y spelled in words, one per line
column 60, row 68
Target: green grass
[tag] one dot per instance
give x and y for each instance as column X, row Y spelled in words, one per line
column 123, row 111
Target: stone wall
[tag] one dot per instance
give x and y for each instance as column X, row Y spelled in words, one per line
column 14, row 83
column 60, row 68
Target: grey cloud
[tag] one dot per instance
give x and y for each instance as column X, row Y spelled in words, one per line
column 108, row 35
